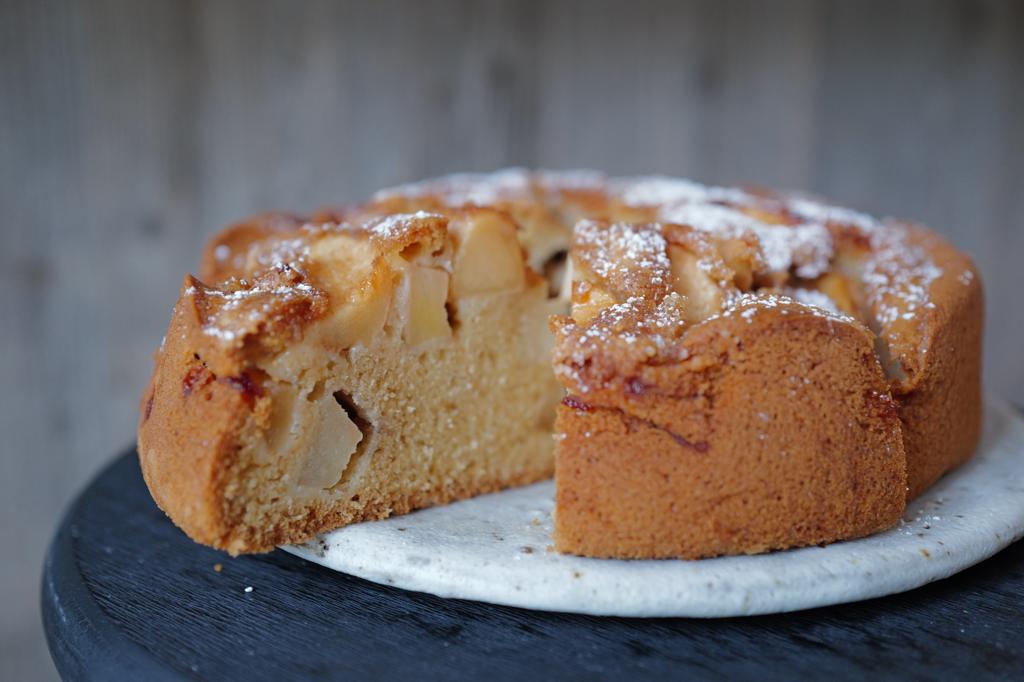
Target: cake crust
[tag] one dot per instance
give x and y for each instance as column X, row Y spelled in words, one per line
column 774, row 429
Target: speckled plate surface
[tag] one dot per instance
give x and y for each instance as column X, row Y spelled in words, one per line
column 495, row 548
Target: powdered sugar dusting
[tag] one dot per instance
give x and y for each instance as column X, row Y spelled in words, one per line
column 621, row 251
column 243, row 307
column 280, row 252
column 812, row 210
column 635, row 331
column 393, row 226
column 807, row 247
column 467, row 188
column 813, row 297
column 570, row 179
column 658, row 190
column 897, row 276
column 795, row 235
column 747, row 305
column 484, row 189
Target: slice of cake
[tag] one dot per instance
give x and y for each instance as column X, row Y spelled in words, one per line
column 738, row 371
column 343, row 373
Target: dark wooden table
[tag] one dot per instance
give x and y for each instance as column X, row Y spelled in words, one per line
column 126, row 595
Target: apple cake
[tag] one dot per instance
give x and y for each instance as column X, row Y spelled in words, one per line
column 705, row 370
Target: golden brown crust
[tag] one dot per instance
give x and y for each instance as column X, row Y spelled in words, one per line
column 773, row 430
column 188, row 428
column 940, row 402
column 225, row 255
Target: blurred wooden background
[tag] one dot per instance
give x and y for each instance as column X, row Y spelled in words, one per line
column 131, row 130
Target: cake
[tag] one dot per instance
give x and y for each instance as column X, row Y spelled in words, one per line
column 705, row 370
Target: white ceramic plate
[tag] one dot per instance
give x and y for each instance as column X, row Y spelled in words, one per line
column 496, row 548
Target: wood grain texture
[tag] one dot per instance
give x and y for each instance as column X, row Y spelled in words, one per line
column 129, row 131
column 126, row 595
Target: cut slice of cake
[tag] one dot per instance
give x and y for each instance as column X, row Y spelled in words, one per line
column 343, row 373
